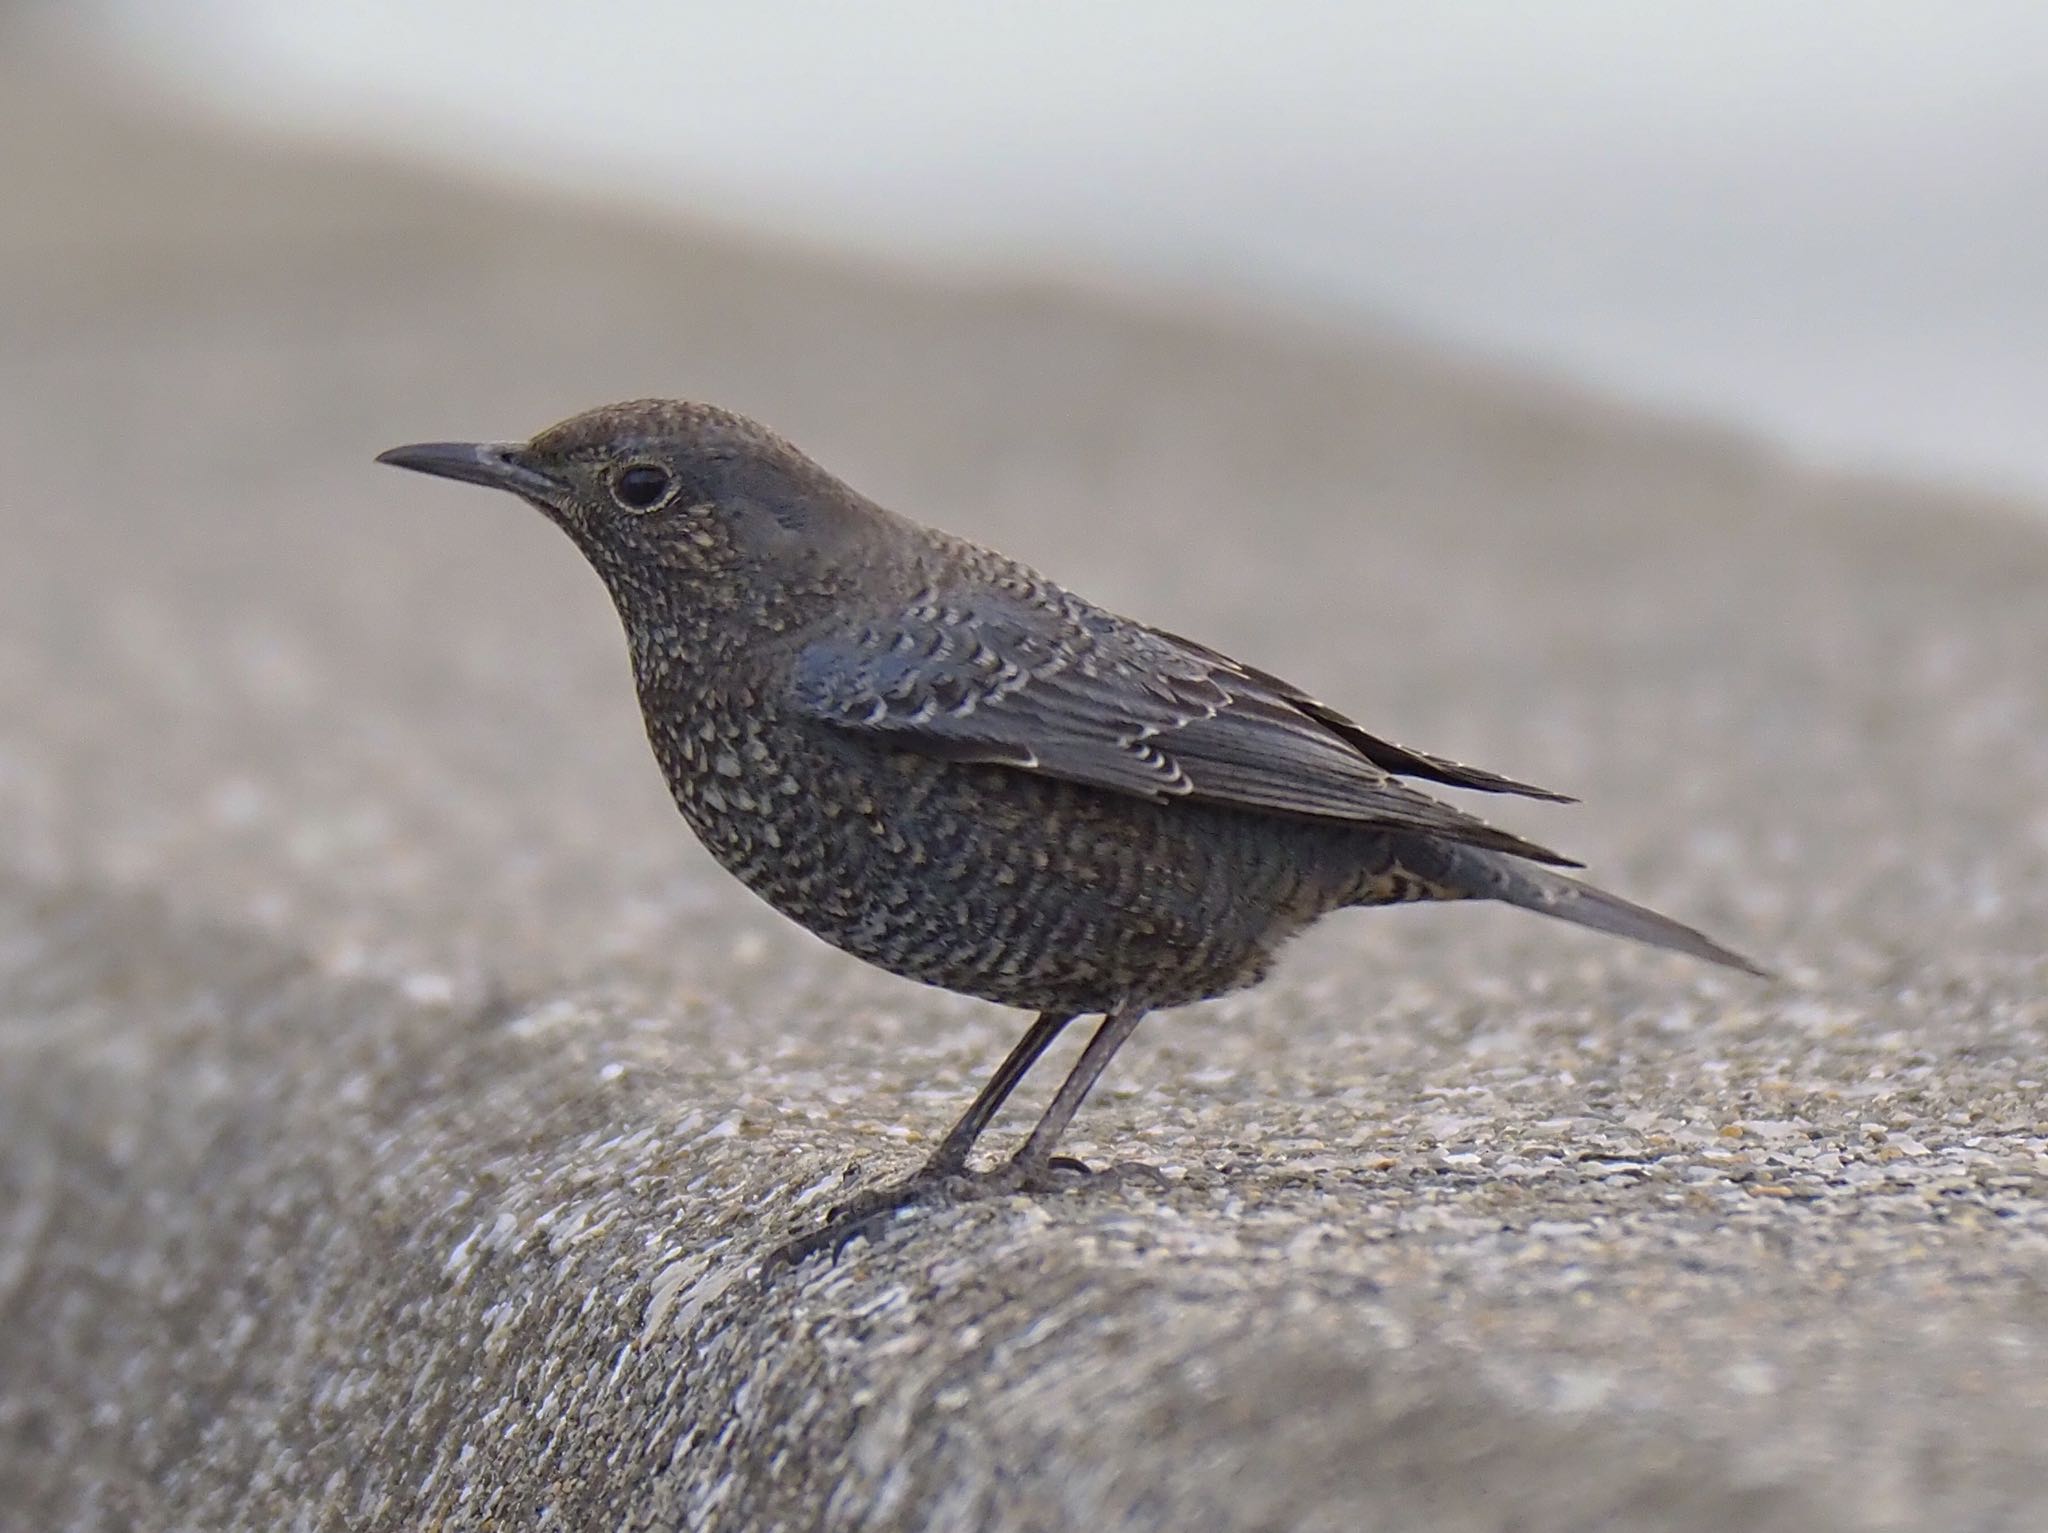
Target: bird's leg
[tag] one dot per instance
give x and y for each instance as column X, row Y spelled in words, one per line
column 945, row 1171
column 1031, row 1166
column 951, row 1155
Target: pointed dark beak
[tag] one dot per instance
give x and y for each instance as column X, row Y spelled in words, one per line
column 500, row 465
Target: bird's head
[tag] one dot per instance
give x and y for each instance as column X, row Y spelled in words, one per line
column 670, row 499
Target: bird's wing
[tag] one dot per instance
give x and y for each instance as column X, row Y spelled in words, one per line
column 1058, row 687
column 1398, row 759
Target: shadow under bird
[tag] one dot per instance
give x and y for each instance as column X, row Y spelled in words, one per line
column 943, row 763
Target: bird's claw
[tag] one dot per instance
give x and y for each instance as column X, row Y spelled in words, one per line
column 1063, row 1171
column 858, row 1216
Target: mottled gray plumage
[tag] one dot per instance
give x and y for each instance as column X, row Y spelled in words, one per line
column 943, row 763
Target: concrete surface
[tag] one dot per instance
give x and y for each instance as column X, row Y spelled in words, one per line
column 393, row 1100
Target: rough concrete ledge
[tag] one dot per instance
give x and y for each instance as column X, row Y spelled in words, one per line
column 393, row 1104
column 311, row 1257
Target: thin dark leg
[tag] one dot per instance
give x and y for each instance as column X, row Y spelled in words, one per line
column 945, row 1177
column 951, row 1155
column 948, row 1163
column 1030, row 1162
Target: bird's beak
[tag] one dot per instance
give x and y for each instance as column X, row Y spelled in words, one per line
column 501, row 465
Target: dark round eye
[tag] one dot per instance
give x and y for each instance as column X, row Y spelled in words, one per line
column 641, row 486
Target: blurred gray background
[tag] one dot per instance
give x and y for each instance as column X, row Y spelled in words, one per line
column 1827, row 223
column 395, row 1101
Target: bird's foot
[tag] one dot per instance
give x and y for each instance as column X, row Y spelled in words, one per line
column 1063, row 1171
column 939, row 1187
column 863, row 1214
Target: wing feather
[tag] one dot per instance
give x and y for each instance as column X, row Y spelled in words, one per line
column 1042, row 682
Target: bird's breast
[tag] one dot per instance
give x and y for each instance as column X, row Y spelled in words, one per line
column 992, row 882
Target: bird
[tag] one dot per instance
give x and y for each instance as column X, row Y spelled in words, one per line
column 944, row 763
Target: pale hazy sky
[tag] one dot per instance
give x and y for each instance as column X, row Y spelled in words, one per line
column 1826, row 220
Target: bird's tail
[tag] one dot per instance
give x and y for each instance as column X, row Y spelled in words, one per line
column 1452, row 871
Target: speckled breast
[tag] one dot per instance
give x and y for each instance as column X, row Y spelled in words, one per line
column 995, row 883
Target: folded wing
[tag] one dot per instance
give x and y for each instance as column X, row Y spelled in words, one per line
column 1043, row 682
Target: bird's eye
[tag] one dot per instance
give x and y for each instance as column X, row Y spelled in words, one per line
column 642, row 486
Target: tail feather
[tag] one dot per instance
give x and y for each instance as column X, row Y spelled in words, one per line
column 1438, row 870
column 1552, row 894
